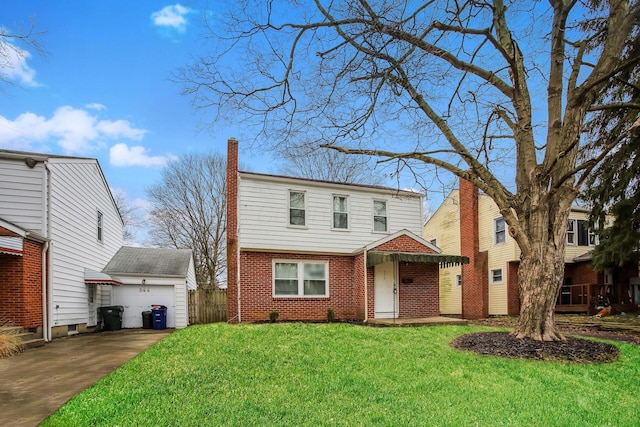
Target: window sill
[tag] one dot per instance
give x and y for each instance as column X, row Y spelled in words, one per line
column 301, row 297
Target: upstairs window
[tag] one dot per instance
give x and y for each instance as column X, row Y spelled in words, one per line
column 578, row 233
column 297, row 208
column 340, row 212
column 500, row 235
column 99, row 226
column 379, row 215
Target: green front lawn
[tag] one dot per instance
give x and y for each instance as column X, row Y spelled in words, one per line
column 340, row 374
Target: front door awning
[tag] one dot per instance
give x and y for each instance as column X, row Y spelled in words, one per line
column 97, row 278
column 11, row 245
column 379, row 257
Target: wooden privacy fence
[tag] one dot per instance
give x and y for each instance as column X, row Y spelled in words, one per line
column 207, row 306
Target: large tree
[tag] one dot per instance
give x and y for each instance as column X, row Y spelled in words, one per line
column 477, row 88
column 188, row 212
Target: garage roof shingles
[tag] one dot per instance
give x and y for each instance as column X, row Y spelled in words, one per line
column 149, row 261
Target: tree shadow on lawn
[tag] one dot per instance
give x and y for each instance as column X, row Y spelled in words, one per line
column 503, row 344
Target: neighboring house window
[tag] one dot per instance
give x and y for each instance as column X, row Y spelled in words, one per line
column 434, row 242
column 500, row 230
column 379, row 215
column 496, row 276
column 296, row 208
column 458, row 280
column 301, row 278
column 99, row 226
column 578, row 233
column 340, row 212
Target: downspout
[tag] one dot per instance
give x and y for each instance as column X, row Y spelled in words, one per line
column 366, row 291
column 48, row 291
column 45, row 305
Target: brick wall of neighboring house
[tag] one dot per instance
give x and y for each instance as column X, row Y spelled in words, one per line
column 581, row 273
column 21, row 287
column 475, row 288
column 232, row 230
column 418, row 293
column 256, row 289
column 513, row 292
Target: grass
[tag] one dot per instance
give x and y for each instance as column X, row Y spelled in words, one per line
column 289, row 374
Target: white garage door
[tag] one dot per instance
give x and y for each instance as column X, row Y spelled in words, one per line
column 136, row 299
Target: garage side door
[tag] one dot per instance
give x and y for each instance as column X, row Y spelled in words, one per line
column 136, row 299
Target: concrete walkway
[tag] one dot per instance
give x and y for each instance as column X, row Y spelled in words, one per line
column 36, row 383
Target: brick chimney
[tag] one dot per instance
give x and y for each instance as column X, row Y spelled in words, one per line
column 475, row 283
column 232, row 231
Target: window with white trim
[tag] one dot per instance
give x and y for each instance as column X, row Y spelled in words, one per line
column 300, row 278
column 496, row 276
column 379, row 215
column 500, row 232
column 340, row 212
column 579, row 233
column 99, row 226
column 297, row 210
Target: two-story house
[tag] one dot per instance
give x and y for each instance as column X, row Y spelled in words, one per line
column 469, row 222
column 302, row 247
column 59, row 228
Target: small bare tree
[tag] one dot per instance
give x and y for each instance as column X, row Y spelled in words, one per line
column 13, row 45
column 188, row 211
column 329, row 165
column 463, row 86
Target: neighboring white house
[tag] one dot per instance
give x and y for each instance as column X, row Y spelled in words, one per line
column 150, row 277
column 67, row 201
column 59, row 228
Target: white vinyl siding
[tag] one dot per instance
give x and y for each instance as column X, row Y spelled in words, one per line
column 263, row 215
column 22, row 194
column 77, row 191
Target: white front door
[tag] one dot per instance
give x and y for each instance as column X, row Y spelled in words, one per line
column 386, row 295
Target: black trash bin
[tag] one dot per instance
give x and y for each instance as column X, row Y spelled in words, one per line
column 111, row 317
column 159, row 313
column 147, row 320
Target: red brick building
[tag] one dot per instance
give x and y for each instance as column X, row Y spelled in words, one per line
column 305, row 247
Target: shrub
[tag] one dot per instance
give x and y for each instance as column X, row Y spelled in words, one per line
column 331, row 315
column 273, row 316
column 9, row 342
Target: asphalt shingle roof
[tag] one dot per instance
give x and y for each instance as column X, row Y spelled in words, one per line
column 149, row 261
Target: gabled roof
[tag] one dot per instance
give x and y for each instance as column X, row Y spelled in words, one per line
column 403, row 232
column 149, row 262
column 324, row 183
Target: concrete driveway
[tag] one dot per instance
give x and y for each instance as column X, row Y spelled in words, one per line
column 39, row 381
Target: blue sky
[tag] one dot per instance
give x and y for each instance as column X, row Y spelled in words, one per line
column 103, row 91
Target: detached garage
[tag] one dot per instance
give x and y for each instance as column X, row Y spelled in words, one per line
column 151, row 277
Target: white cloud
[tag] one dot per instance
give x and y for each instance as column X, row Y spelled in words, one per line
column 123, row 155
column 171, row 16
column 95, row 106
column 75, row 131
column 13, row 65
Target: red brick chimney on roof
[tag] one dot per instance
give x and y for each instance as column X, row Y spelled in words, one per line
column 475, row 281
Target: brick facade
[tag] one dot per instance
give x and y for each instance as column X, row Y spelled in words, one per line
column 21, row 286
column 418, row 290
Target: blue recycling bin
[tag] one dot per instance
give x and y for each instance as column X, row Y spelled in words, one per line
column 159, row 315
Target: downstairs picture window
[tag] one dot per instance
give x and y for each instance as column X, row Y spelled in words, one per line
column 300, row 278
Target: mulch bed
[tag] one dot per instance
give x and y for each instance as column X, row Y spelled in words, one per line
column 573, row 350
